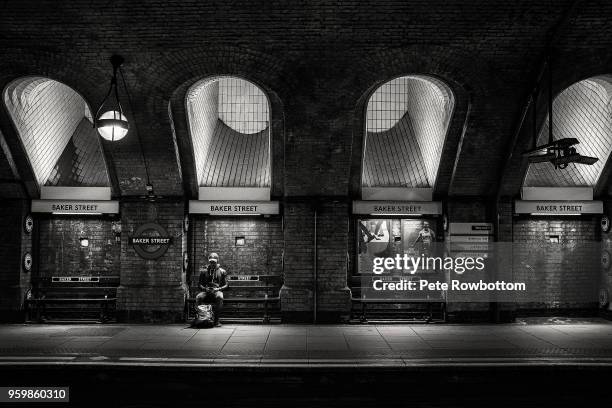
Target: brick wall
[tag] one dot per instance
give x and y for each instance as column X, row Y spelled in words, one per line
column 320, row 58
column 606, row 273
column 565, row 270
column 152, row 290
column 61, row 254
column 261, row 254
column 332, row 232
column 333, row 294
column 317, row 62
column 14, row 280
column 474, row 209
column 297, row 293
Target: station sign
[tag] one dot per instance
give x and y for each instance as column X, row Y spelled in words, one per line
column 558, row 207
column 397, row 207
column 234, row 207
column 75, row 206
column 470, row 237
column 75, row 279
column 243, row 277
column 150, row 240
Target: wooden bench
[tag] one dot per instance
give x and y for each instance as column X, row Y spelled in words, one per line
column 262, row 293
column 429, row 310
column 72, row 301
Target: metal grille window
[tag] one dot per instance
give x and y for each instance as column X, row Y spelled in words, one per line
column 583, row 111
column 51, row 119
column 406, row 123
column 242, row 106
column 229, row 125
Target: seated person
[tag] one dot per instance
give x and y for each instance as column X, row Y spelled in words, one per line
column 212, row 283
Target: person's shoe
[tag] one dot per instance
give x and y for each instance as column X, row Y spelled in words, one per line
column 217, row 324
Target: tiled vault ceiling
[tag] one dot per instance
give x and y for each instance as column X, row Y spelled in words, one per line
column 406, row 124
column 54, row 124
column 229, row 126
column 582, row 111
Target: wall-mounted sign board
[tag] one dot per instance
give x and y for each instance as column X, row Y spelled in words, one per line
column 243, row 277
column 234, row 207
column 150, row 240
column 470, row 228
column 471, row 238
column 558, row 207
column 75, row 279
column 397, row 207
column 75, row 206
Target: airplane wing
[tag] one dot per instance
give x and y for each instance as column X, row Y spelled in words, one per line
column 541, row 158
column 576, row 158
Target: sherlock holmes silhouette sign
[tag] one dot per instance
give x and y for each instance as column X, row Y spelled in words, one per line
column 150, row 241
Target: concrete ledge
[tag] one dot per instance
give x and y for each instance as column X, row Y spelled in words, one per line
column 12, row 316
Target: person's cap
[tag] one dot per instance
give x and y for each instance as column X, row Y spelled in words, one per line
column 213, row 257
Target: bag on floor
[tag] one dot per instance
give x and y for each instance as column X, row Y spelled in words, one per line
column 205, row 316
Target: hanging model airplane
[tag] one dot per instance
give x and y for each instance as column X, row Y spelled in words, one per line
column 559, row 152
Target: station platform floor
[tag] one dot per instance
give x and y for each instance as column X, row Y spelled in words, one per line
column 543, row 342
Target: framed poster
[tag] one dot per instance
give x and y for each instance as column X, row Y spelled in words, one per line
column 388, row 237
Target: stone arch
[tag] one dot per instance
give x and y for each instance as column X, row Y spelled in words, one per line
column 264, row 71
column 582, row 110
column 54, row 124
column 90, row 83
column 407, row 120
column 455, row 68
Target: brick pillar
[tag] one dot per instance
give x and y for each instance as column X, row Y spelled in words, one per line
column 504, row 234
column 297, row 293
column 152, row 290
column 468, row 209
column 14, row 280
column 333, row 294
column 606, row 273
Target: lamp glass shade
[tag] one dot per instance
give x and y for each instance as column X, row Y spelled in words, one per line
column 112, row 125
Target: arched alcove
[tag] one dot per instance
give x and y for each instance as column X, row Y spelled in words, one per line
column 229, row 124
column 582, row 111
column 407, row 120
column 54, row 124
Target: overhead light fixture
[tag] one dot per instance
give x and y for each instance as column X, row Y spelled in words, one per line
column 112, row 124
column 110, row 121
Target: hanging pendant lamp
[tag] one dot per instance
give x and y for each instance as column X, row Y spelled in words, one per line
column 112, row 125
